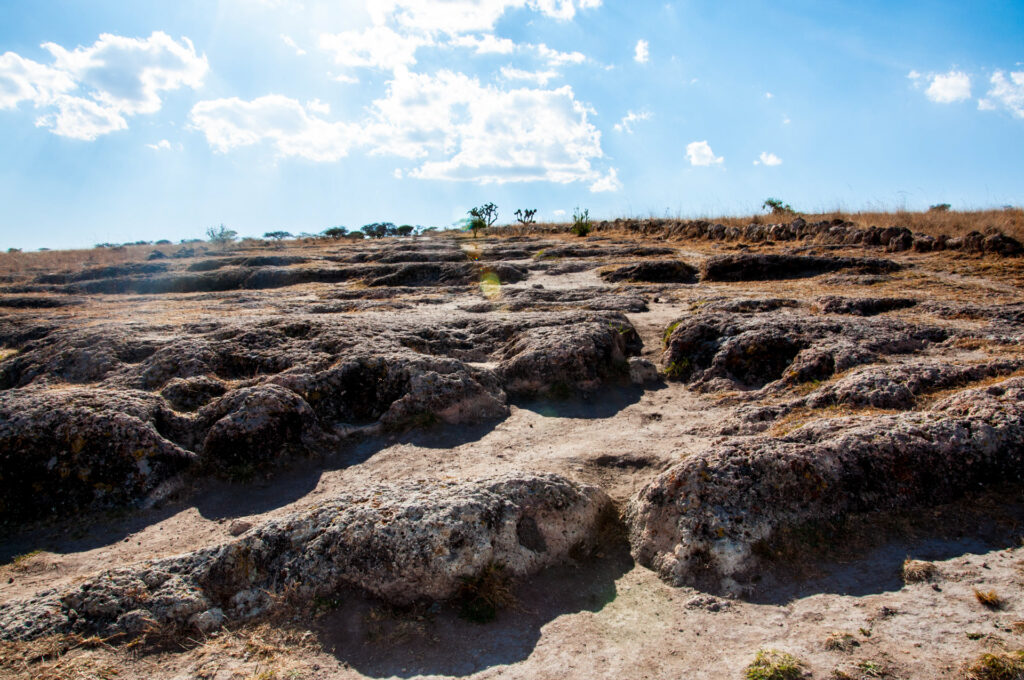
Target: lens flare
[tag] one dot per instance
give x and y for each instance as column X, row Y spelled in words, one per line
column 490, row 285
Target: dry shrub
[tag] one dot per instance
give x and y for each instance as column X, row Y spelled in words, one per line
column 771, row 664
column 840, row 642
column 989, row 598
column 999, row 666
column 918, row 571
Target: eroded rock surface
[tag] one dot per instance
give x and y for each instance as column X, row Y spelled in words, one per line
column 402, row 543
column 716, row 350
column 700, row 521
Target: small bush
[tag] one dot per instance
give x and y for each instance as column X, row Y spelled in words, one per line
column 777, row 207
column 1000, row 666
column 771, row 664
column 840, row 642
column 939, row 207
column 917, row 571
column 221, row 235
column 988, row 598
column 405, row 230
column 580, row 222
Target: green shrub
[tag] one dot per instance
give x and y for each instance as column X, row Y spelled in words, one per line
column 580, row 222
column 771, row 664
column 776, row 206
column 221, row 235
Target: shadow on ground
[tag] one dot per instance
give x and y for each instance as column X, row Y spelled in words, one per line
column 865, row 556
column 607, row 405
column 380, row 641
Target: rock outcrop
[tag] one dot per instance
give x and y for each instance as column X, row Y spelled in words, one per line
column 402, row 543
column 700, row 521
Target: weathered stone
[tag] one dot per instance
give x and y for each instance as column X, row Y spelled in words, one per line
column 699, row 521
column 399, row 542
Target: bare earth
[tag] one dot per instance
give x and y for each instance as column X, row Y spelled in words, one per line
column 603, row 616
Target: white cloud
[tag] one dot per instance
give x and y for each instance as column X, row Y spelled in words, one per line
column 700, row 154
column 1008, row 91
column 467, row 131
column 642, row 53
column 556, row 58
column 25, row 80
column 456, row 127
column 465, row 16
column 914, row 75
column 609, row 182
column 283, row 122
column 768, row 95
column 949, row 87
column 374, row 47
column 343, row 78
column 559, row 213
column 114, row 78
column 626, row 124
column 162, row 145
column 81, row 119
column 537, row 77
column 786, row 120
column 128, row 74
column 485, row 44
column 287, row 40
column 768, row 159
column 317, row 106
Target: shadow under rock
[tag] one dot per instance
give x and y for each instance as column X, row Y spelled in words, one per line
column 381, row 641
column 606, row 404
column 866, row 556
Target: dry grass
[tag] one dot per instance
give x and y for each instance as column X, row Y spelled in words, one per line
column 771, row 664
column 934, row 223
column 989, row 598
column 840, row 642
column 1000, row 666
column 918, row 571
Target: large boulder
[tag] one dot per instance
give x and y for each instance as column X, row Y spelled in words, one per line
column 76, row 448
column 402, row 542
column 701, row 521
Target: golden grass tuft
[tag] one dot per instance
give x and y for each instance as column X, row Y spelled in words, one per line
column 918, row 571
column 998, row 666
column 771, row 664
column 989, row 598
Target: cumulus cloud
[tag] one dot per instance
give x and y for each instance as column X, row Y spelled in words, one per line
column 949, row 87
column 537, row 77
column 374, row 47
column 89, row 91
column 609, row 182
column 286, row 124
column 768, row 159
column 944, row 88
column 1008, row 91
column 642, row 53
column 465, row 16
column 485, row 44
column 464, row 130
column 700, row 154
column 162, row 145
column 626, row 124
column 455, row 127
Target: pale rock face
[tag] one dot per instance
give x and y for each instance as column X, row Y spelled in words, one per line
column 400, row 542
column 698, row 522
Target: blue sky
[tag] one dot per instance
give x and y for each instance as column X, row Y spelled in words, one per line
column 145, row 120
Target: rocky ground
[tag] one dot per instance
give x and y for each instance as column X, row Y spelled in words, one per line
column 651, row 452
